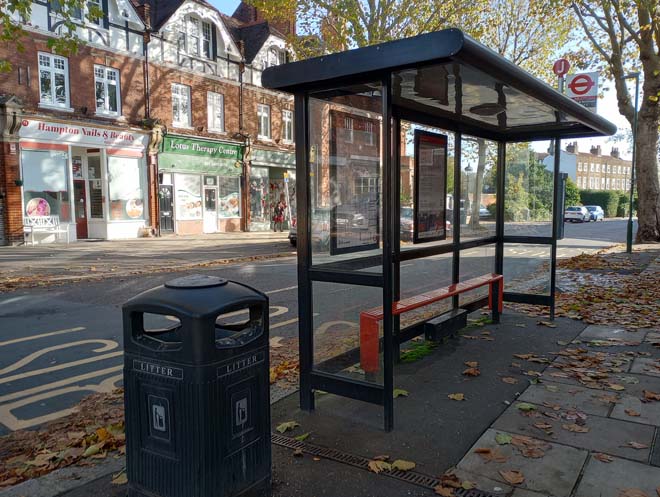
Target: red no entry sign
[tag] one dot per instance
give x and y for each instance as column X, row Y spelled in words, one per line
column 581, row 84
column 561, row 67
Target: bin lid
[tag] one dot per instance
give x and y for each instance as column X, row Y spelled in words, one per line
column 196, row 281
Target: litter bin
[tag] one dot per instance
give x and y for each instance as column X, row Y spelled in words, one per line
column 196, row 379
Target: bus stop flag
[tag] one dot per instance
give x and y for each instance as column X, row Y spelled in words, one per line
column 583, row 88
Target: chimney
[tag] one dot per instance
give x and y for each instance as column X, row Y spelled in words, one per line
column 572, row 148
column 615, row 152
column 595, row 150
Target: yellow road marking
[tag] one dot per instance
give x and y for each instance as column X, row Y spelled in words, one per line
column 107, row 345
column 281, row 290
column 284, row 323
column 59, row 367
column 58, row 384
column 43, row 335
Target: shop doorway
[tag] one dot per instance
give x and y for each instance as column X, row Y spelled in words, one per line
column 80, row 209
column 210, row 209
column 165, row 207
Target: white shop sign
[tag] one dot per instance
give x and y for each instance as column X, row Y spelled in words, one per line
column 83, row 135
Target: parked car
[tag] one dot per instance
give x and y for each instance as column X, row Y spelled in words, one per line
column 577, row 213
column 320, row 229
column 596, row 213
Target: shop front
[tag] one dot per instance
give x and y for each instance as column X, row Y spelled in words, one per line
column 199, row 186
column 272, row 178
column 89, row 180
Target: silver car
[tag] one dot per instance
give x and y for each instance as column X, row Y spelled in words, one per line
column 576, row 213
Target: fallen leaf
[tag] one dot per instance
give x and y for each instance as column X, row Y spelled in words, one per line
column 521, row 325
column 636, row 445
column 543, row 426
column 632, row 412
column 616, row 387
column 449, row 479
column 298, row 453
column 120, row 478
column 509, row 380
column 575, row 428
column 471, row 364
column 488, row 454
column 444, row 491
column 456, row 396
column 603, row 457
column 467, row 485
column 525, row 406
column 547, row 323
column 513, row 476
column 382, row 457
column 632, row 492
column 503, row 438
column 648, row 395
column 275, row 342
column 471, row 372
column 524, row 357
column 403, row 465
column 286, row 426
column 379, row 466
column 399, row 392
column 92, row 450
column 303, row 437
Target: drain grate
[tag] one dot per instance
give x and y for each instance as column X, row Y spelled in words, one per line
column 412, row 477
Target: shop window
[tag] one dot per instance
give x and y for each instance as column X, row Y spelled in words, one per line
column 263, row 116
column 95, row 178
column 188, row 196
column 53, row 80
column 287, row 126
column 125, row 179
column 229, row 195
column 181, row 105
column 216, row 111
column 369, row 130
column 45, row 184
column 106, row 80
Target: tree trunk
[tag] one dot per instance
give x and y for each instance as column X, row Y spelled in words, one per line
column 648, row 180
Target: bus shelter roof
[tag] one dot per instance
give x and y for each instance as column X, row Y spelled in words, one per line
column 449, row 80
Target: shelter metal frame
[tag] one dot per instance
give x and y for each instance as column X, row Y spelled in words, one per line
column 379, row 64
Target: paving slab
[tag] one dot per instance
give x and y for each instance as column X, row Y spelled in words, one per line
column 605, row 435
column 633, row 384
column 554, row 474
column 610, row 479
column 583, row 399
column 519, row 492
column 598, row 332
column 647, row 366
column 649, row 412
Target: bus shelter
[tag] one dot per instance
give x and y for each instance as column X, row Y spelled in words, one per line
column 418, row 191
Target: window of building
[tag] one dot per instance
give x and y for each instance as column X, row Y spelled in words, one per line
column 609, row 168
column 591, row 167
column 618, row 169
column 263, row 117
column 106, row 81
column 607, row 184
column 53, row 80
column 126, row 188
column 194, row 37
column 591, row 182
column 181, row 105
column 597, row 168
column 602, row 183
column 579, row 166
column 348, row 124
column 95, row 7
column 369, row 130
column 287, row 126
column 216, row 111
column 45, row 184
column 368, row 184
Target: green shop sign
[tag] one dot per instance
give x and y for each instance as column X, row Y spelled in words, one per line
column 202, row 148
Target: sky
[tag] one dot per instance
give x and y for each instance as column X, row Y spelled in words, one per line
column 607, row 107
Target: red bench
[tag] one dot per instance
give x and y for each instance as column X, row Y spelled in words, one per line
column 369, row 342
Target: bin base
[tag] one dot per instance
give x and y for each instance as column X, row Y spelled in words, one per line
column 259, row 489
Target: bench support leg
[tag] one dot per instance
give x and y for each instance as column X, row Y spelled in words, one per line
column 369, row 344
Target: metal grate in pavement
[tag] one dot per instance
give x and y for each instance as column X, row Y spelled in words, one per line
column 413, row 477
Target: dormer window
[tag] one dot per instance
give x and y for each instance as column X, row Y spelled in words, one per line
column 274, row 57
column 194, row 37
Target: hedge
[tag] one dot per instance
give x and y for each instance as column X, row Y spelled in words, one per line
column 608, row 200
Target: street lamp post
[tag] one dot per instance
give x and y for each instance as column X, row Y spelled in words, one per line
column 629, row 236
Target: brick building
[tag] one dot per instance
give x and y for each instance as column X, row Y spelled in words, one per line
column 158, row 123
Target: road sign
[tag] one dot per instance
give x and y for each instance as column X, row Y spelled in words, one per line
column 561, row 67
column 583, row 88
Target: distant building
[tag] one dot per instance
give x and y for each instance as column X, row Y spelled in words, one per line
column 592, row 170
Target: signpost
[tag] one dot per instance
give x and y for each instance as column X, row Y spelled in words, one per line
column 561, row 67
column 583, row 88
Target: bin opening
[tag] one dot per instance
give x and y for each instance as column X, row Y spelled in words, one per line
column 162, row 329
column 238, row 328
